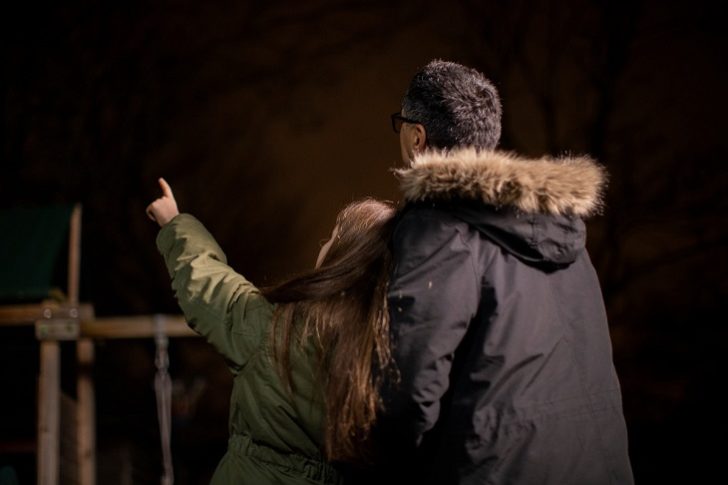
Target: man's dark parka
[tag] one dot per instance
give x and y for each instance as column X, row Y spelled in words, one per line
column 499, row 328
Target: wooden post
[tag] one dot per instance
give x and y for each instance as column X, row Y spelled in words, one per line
column 86, row 412
column 49, row 384
column 49, row 412
column 85, row 395
column 74, row 255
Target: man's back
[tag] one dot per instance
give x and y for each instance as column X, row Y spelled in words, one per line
column 499, row 330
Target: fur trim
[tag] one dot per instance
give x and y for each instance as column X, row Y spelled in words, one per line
column 565, row 186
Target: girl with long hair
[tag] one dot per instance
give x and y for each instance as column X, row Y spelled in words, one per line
column 308, row 355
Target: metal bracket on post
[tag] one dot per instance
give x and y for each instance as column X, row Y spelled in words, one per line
column 58, row 323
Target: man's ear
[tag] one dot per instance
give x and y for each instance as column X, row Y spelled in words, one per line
column 419, row 138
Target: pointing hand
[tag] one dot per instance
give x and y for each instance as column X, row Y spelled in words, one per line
column 164, row 209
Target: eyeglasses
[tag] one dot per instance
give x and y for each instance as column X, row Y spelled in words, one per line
column 398, row 119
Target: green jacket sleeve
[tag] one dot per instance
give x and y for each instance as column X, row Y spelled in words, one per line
column 219, row 304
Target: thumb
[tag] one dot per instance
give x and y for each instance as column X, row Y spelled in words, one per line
column 150, row 212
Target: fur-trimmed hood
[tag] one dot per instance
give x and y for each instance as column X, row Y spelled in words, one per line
column 533, row 208
column 564, row 186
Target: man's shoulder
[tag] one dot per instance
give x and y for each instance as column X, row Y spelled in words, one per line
column 428, row 215
column 429, row 225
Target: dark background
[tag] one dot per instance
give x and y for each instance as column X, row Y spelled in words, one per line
column 267, row 117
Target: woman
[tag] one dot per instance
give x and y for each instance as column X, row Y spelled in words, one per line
column 308, row 355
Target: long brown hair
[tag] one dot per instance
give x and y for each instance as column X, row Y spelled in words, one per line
column 341, row 305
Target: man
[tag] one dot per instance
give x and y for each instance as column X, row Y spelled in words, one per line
column 498, row 325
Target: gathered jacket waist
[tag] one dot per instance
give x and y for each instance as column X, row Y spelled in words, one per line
column 311, row 468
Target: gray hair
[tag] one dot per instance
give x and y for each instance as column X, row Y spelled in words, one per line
column 457, row 105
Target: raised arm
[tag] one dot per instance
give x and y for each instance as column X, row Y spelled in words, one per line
column 219, row 304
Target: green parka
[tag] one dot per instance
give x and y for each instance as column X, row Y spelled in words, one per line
column 275, row 435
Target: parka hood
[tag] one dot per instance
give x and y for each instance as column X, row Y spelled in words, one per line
column 533, row 208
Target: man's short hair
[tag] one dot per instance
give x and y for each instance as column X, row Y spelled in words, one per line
column 458, row 106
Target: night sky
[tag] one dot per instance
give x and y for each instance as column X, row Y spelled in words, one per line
column 267, row 117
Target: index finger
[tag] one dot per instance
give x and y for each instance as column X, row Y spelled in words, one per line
column 166, row 189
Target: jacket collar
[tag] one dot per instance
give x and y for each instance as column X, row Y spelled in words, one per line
column 556, row 186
